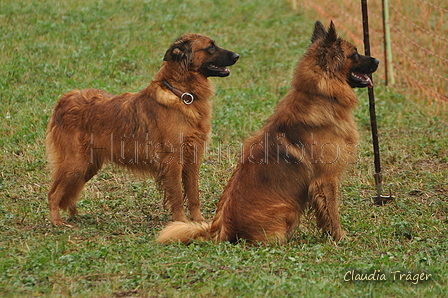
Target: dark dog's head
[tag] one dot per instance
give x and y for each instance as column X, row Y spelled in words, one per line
column 199, row 53
column 340, row 57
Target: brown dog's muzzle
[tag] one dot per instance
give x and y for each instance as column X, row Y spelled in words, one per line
column 217, row 66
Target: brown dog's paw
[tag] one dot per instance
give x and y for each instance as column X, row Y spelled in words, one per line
column 57, row 222
column 197, row 218
column 344, row 236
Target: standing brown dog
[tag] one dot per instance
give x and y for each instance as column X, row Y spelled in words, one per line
column 160, row 130
column 295, row 161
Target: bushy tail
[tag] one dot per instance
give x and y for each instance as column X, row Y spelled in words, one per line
column 184, row 232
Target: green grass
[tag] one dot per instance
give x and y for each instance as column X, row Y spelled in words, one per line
column 49, row 48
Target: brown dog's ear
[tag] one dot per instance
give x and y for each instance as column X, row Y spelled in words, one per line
column 178, row 51
column 331, row 35
column 319, row 31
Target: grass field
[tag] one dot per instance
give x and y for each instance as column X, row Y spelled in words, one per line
column 48, row 48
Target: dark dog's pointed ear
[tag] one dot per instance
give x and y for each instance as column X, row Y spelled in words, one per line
column 178, row 51
column 319, row 31
column 331, row 35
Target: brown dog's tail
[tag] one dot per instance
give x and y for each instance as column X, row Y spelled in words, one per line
column 184, row 232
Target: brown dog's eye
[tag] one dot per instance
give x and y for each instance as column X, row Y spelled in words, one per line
column 211, row 49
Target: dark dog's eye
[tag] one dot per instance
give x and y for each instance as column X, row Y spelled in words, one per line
column 354, row 56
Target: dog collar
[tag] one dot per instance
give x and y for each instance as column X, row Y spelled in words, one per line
column 187, row 98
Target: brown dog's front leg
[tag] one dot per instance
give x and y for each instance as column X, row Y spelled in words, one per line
column 172, row 186
column 190, row 175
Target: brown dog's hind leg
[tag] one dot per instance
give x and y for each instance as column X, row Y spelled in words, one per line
column 54, row 198
column 64, row 192
column 323, row 195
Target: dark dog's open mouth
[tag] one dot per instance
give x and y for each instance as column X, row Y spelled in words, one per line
column 219, row 71
column 359, row 74
column 361, row 79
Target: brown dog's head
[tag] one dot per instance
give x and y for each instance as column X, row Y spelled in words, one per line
column 339, row 57
column 199, row 53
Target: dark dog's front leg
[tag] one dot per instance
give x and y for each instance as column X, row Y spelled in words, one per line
column 323, row 195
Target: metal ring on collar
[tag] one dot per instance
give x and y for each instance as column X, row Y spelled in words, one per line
column 187, row 98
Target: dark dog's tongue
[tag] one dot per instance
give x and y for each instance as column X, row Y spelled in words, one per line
column 364, row 78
